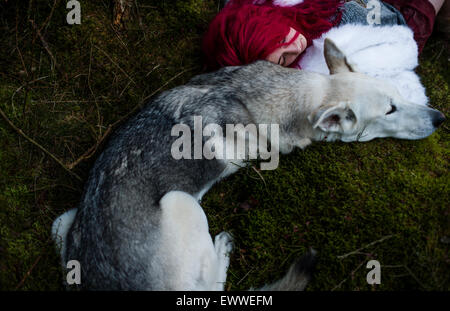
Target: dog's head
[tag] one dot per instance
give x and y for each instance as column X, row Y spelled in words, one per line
column 360, row 108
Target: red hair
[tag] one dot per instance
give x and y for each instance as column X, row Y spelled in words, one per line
column 244, row 32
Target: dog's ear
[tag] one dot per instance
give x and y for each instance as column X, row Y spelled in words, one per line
column 336, row 60
column 329, row 119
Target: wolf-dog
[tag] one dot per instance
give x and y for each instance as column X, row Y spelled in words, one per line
column 139, row 225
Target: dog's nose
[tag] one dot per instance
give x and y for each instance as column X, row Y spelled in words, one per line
column 438, row 118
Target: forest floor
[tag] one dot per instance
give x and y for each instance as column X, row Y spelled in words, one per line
column 63, row 87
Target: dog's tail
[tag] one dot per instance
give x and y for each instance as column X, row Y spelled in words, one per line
column 60, row 228
column 298, row 275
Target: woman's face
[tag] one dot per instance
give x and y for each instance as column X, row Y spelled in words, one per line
column 285, row 55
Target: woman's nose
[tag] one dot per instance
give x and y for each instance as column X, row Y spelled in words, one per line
column 293, row 48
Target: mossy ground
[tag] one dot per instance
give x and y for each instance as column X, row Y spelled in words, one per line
column 65, row 87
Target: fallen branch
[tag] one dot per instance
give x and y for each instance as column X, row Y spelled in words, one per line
column 110, row 58
column 28, row 273
column 18, row 130
column 244, row 276
column 91, row 151
column 410, row 273
column 45, row 23
column 358, row 251
column 351, row 273
column 260, row 175
column 44, row 43
column 17, row 43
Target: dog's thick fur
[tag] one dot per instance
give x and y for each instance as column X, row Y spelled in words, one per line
column 139, row 225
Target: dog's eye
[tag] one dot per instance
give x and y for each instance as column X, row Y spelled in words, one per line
column 393, row 109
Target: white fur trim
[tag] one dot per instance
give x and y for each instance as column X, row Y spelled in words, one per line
column 387, row 52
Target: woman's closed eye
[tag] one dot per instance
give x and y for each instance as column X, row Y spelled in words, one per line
column 282, row 60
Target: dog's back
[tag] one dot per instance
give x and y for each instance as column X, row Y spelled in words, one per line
column 130, row 219
column 117, row 229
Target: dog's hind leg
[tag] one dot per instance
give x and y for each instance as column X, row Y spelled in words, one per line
column 187, row 252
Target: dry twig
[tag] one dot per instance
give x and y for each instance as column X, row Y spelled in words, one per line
column 358, row 251
column 91, row 151
column 28, row 273
column 18, row 130
column 44, row 44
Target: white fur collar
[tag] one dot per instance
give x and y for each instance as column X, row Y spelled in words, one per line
column 385, row 52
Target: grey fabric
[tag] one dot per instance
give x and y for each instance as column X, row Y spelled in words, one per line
column 355, row 12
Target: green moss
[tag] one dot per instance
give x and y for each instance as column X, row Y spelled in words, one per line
column 336, row 198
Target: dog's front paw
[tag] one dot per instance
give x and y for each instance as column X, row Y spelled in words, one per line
column 223, row 243
column 303, row 143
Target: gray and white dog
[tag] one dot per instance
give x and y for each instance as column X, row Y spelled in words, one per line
column 139, row 225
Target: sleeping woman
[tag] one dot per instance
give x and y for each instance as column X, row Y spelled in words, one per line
column 380, row 38
column 281, row 30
